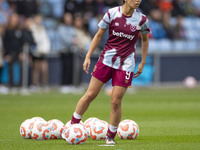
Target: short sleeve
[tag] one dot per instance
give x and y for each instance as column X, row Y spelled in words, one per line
column 145, row 29
column 105, row 21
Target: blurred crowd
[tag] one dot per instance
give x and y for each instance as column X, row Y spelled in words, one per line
column 64, row 27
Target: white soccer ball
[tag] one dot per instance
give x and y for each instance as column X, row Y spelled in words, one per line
column 190, row 82
column 40, row 130
column 98, row 130
column 37, row 119
column 56, row 128
column 128, row 129
column 67, row 125
column 25, row 128
column 75, row 134
column 88, row 123
column 104, row 122
column 63, row 132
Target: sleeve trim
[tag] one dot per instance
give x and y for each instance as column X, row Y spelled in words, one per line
column 106, row 22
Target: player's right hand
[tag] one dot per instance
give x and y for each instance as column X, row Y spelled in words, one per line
column 86, row 65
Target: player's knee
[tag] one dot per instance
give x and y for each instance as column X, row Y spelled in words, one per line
column 115, row 104
column 90, row 96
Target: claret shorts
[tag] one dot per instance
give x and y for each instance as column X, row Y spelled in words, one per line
column 119, row 77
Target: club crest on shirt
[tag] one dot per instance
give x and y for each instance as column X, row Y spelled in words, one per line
column 133, row 28
column 116, row 24
column 126, row 81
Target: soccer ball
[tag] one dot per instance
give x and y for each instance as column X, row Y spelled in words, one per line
column 104, row 122
column 190, row 82
column 37, row 119
column 25, row 128
column 40, row 130
column 128, row 129
column 98, row 130
column 88, row 123
column 56, row 128
column 63, row 132
column 75, row 134
column 67, row 125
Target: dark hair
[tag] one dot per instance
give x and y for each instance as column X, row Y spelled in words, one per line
column 123, row 1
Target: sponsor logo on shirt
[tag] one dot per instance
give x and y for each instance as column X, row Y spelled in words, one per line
column 121, row 34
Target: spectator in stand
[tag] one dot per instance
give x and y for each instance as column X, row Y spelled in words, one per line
column 178, row 8
column 5, row 11
column 157, row 28
column 111, row 3
column 27, row 34
column 93, row 28
column 190, row 8
column 90, row 10
column 196, row 3
column 89, row 7
column 179, row 31
column 167, row 24
column 12, row 41
column 52, row 8
column 165, row 5
column 148, row 5
column 39, row 55
column 82, row 36
column 27, row 8
column 45, row 9
column 67, row 34
column 72, row 6
column 120, row 2
column 27, row 38
column 100, row 6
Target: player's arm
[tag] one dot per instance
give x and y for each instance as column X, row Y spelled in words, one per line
column 95, row 42
column 145, row 46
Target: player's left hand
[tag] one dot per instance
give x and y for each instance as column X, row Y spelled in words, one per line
column 139, row 71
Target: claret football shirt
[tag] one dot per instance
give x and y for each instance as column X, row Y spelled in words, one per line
column 119, row 51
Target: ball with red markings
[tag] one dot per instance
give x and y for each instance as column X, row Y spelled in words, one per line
column 99, row 130
column 75, row 134
column 88, row 123
column 56, row 128
column 25, row 128
column 128, row 129
column 38, row 119
column 63, row 132
column 40, row 130
column 68, row 124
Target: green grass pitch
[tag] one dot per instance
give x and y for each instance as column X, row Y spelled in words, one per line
column 169, row 119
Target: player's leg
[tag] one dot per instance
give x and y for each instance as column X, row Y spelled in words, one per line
column 115, row 114
column 100, row 75
column 44, row 72
column 36, row 70
column 83, row 104
column 120, row 80
column 116, row 99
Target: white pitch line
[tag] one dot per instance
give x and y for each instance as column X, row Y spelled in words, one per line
column 106, row 145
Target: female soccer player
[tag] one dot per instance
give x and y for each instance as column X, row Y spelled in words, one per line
column 117, row 60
